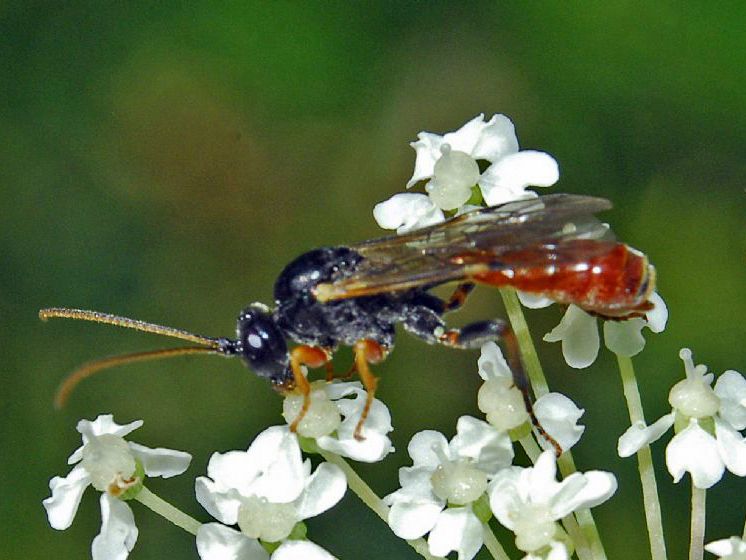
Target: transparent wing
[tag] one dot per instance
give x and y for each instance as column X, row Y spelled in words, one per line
column 460, row 247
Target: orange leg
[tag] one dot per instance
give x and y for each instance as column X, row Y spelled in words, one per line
column 313, row 357
column 367, row 352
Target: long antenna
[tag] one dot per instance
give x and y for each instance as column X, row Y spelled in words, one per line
column 90, row 368
column 208, row 345
column 118, row 321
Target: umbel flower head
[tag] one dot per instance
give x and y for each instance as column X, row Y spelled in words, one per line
column 708, row 423
column 333, row 415
column 449, row 164
column 439, row 490
column 116, row 468
column 267, row 490
column 502, row 402
column 530, row 501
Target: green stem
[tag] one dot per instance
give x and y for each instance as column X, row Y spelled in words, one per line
column 528, row 351
column 697, row 543
column 492, row 544
column 530, row 359
column 370, row 498
column 650, row 497
column 164, row 509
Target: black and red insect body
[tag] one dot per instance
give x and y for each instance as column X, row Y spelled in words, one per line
column 355, row 295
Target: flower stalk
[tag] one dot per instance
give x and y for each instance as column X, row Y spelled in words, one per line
column 168, row 511
column 697, row 539
column 644, row 462
column 540, row 387
column 492, row 544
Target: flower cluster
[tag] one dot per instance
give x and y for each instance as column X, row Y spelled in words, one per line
column 708, row 422
column 451, row 486
column 267, row 491
column 450, row 166
column 116, row 468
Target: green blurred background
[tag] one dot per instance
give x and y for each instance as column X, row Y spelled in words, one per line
column 164, row 161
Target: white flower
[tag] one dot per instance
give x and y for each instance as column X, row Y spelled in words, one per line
column 405, row 212
column 454, row 474
column 218, row 542
column 733, row 548
column 578, row 332
column 266, row 490
column 503, row 404
column 529, row 501
column 113, row 466
column 699, row 411
column 333, row 416
column 449, row 164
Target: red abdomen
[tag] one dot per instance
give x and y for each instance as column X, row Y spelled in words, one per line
column 603, row 277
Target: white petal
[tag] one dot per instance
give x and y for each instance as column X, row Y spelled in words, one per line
column 731, row 389
column 406, row 212
column 376, row 444
column 540, row 481
column 579, row 335
column 103, row 424
column 507, row 178
column 369, row 450
column 489, row 449
column 411, row 520
column 695, row 451
column 416, row 486
column 596, row 488
column 456, row 529
column 505, row 496
column 161, row 461
column 427, row 148
column 301, row 550
column 276, row 466
column 559, row 416
column 222, row 503
column 423, row 445
column 732, row 447
column 324, row 489
column 658, row 317
column 118, row 531
column 465, row 139
column 496, row 140
column 338, row 389
column 492, row 364
column 727, row 547
column 63, row 504
column 218, row 542
column 639, row 435
column 533, row 301
column 624, row 337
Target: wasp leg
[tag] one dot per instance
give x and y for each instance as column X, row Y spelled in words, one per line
column 367, row 352
column 313, row 357
column 459, row 295
column 475, row 334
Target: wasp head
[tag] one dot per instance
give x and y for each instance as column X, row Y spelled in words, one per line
column 261, row 343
